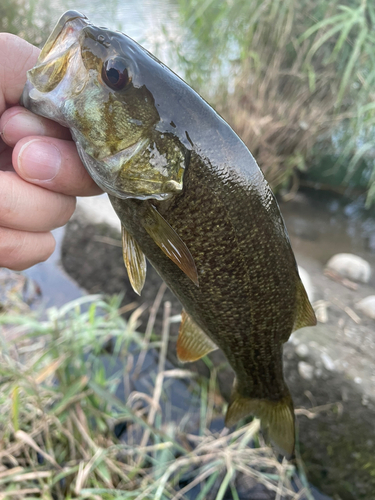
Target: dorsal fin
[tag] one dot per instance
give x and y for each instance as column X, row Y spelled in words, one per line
column 192, row 343
column 135, row 261
column 170, row 243
column 305, row 313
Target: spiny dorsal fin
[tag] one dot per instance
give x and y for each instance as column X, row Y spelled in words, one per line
column 135, row 261
column 277, row 419
column 168, row 240
column 305, row 313
column 192, row 343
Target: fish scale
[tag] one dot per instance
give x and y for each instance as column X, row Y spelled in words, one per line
column 191, row 198
column 224, row 275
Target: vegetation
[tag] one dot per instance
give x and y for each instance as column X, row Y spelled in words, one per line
column 29, row 19
column 59, row 414
column 295, row 79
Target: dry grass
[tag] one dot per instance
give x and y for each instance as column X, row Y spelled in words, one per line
column 58, row 411
column 294, row 78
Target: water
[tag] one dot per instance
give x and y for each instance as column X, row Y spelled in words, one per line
column 321, row 224
column 152, row 23
column 56, row 287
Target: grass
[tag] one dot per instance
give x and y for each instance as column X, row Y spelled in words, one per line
column 59, row 411
column 29, row 19
column 294, row 78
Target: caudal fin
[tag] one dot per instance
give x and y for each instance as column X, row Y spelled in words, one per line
column 277, row 419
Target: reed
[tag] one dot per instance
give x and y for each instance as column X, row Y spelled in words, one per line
column 294, row 78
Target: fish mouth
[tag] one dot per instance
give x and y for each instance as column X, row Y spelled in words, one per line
column 64, row 34
column 53, row 61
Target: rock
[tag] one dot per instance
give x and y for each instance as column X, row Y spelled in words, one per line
column 305, row 370
column 306, row 280
column 327, row 362
column 350, row 266
column 321, row 313
column 337, row 375
column 367, row 306
column 302, row 350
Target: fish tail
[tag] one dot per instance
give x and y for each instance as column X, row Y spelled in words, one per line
column 277, row 418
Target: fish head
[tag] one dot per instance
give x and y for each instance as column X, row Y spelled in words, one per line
column 99, row 83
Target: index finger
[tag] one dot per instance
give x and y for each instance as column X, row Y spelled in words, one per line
column 16, row 57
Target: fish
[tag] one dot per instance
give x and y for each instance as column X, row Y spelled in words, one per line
column 191, row 199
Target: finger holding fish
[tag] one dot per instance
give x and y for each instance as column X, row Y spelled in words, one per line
column 29, row 206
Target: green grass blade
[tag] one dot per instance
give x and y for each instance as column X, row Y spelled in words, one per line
column 208, row 486
column 350, row 65
column 321, row 24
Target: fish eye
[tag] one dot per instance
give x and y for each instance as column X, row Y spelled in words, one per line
column 115, row 73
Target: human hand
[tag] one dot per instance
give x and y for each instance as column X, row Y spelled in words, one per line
column 40, row 171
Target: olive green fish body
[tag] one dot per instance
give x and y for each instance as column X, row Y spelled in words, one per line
column 246, row 296
column 190, row 198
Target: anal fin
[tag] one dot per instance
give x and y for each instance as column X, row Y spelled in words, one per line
column 192, row 343
column 277, row 419
column 170, row 243
column 135, row 261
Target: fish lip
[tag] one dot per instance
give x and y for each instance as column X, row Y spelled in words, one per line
column 66, row 31
column 71, row 20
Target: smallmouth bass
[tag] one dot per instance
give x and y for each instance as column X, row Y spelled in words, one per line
column 190, row 198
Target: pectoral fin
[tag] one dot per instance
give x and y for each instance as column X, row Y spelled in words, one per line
column 170, row 243
column 305, row 313
column 277, row 419
column 192, row 343
column 135, row 261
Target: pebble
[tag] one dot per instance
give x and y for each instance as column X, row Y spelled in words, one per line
column 367, row 306
column 321, row 313
column 327, row 362
column 306, row 280
column 302, row 350
column 350, row 266
column 305, row 370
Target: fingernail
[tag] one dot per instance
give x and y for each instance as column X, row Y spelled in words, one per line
column 22, row 125
column 39, row 160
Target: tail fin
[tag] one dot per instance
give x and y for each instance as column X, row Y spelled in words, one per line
column 277, row 418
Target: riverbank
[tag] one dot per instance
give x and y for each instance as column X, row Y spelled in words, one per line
column 329, row 367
